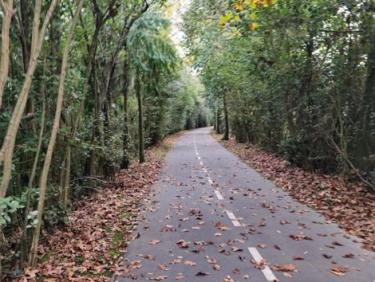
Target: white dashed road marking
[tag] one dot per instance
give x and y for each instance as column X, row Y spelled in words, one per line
column 218, row 195
column 233, row 218
column 267, row 272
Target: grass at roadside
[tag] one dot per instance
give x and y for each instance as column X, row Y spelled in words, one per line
column 159, row 151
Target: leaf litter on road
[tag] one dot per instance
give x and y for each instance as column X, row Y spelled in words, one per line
column 350, row 204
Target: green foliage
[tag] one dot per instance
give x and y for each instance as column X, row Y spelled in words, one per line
column 9, row 206
column 297, row 75
column 90, row 143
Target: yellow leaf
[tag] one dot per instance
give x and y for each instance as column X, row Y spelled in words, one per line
column 251, row 3
column 238, row 5
column 236, row 18
column 252, row 16
column 253, row 26
column 225, row 19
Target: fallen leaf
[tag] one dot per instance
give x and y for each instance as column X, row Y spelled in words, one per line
column 159, row 278
column 284, row 267
column 201, row 273
column 190, row 263
column 183, row 244
column 339, row 270
column 154, row 242
column 180, row 276
column 349, row 255
column 216, row 267
column 221, row 226
column 300, row 237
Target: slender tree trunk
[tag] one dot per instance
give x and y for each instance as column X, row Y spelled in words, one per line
column 92, row 49
column 217, row 121
column 366, row 138
column 96, row 132
column 40, row 142
column 138, row 91
column 7, row 149
column 125, row 145
column 7, row 7
column 68, row 163
column 24, row 241
column 25, row 14
column 51, row 145
column 226, row 119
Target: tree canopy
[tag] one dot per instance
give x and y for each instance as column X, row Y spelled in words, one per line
column 298, row 76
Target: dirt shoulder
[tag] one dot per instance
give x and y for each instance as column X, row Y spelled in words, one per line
column 350, row 205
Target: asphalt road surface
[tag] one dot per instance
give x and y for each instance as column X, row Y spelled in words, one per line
column 213, row 218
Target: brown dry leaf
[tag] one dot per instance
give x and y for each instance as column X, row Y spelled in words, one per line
column 339, row 270
column 180, row 276
column 168, row 228
column 154, row 242
column 237, row 249
column 221, row 226
column 190, row 263
column 284, row 267
column 160, row 278
column 201, row 273
column 176, row 261
column 149, row 257
column 298, row 258
column 349, row 255
column 31, row 273
column 336, row 243
column 277, row 247
column 183, row 244
column 163, row 267
column 259, row 265
column 216, row 267
column 300, row 237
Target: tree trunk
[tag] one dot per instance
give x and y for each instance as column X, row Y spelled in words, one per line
column 217, row 120
column 68, row 163
column 226, row 119
column 7, row 149
column 24, row 24
column 51, row 145
column 7, row 7
column 366, row 138
column 125, row 146
column 138, row 91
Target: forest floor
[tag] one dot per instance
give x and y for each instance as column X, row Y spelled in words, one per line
column 90, row 247
column 350, row 205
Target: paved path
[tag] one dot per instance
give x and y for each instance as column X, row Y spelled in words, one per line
column 215, row 219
